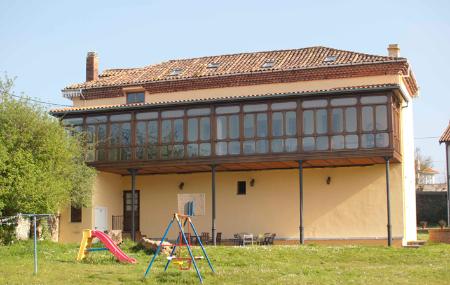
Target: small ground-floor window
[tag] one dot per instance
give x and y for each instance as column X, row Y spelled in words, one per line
column 75, row 214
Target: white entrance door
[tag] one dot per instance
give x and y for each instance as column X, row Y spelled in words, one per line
column 101, row 218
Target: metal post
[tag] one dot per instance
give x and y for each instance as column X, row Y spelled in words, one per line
column 300, row 180
column 35, row 246
column 133, row 173
column 447, row 155
column 388, row 204
column 213, row 201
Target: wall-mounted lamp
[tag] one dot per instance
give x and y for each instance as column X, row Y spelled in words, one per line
column 252, row 182
column 328, row 180
column 181, row 186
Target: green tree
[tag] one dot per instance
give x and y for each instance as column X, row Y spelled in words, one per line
column 42, row 167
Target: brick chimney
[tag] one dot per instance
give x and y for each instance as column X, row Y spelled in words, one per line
column 393, row 50
column 91, row 66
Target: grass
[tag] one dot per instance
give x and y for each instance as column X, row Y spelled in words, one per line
column 311, row 264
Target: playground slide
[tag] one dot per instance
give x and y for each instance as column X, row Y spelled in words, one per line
column 112, row 247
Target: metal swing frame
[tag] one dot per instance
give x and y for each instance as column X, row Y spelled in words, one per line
column 182, row 221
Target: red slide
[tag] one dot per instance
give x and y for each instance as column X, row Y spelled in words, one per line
column 112, row 247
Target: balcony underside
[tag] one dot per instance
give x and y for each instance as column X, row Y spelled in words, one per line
column 240, row 163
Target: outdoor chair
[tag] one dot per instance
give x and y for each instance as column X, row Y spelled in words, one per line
column 247, row 239
column 260, row 239
column 219, row 238
column 205, row 238
column 269, row 238
column 236, row 239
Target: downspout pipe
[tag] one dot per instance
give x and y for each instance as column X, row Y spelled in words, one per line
column 388, row 204
column 300, row 181
column 133, row 173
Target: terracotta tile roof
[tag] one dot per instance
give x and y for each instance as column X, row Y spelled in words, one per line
column 429, row 170
column 233, row 64
column 194, row 100
column 446, row 135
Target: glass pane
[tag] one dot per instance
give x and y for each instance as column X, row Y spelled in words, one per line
column 153, row 132
column 115, row 129
column 382, row 140
column 322, row 143
column 125, row 153
column 90, row 134
column 284, row 106
column 262, row 146
column 381, row 118
column 308, row 122
column 120, row 118
column 277, row 145
column 135, row 97
column 166, row 131
column 367, row 141
column 178, row 151
column 314, row 104
column 321, row 121
column 234, row 126
column 147, row 116
column 205, row 149
column 234, row 148
column 337, row 142
column 192, row 150
column 140, row 153
column 308, row 144
column 221, row 127
column 73, row 121
column 291, row 145
column 205, row 129
column 165, row 151
column 152, row 152
column 126, row 134
column 351, row 141
column 101, row 135
column 192, row 129
column 373, row 99
column 249, row 147
column 113, row 154
column 249, row 125
column 96, row 119
column 261, row 125
column 221, row 148
column 198, row 112
column 101, row 154
column 367, row 118
column 255, row 108
column 343, row 102
column 227, row 110
column 291, row 123
column 140, row 133
column 350, row 119
column 178, row 130
column 277, row 124
column 172, row 114
column 337, row 121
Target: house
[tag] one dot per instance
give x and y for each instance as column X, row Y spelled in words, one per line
column 426, row 176
column 445, row 138
column 313, row 144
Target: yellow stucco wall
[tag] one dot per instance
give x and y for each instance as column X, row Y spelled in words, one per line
column 107, row 192
column 353, row 206
column 248, row 90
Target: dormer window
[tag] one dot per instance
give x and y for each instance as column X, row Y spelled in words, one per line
column 268, row 63
column 330, row 58
column 175, row 72
column 213, row 65
column 135, row 97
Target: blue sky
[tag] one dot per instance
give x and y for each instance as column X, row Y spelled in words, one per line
column 44, row 43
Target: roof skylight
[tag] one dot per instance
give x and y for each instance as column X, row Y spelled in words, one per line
column 330, row 58
column 213, row 65
column 268, row 63
column 175, row 71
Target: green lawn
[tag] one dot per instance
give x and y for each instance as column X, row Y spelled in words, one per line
column 312, row 264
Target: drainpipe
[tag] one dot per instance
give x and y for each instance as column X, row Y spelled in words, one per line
column 300, row 180
column 133, row 173
column 388, row 204
column 213, row 200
